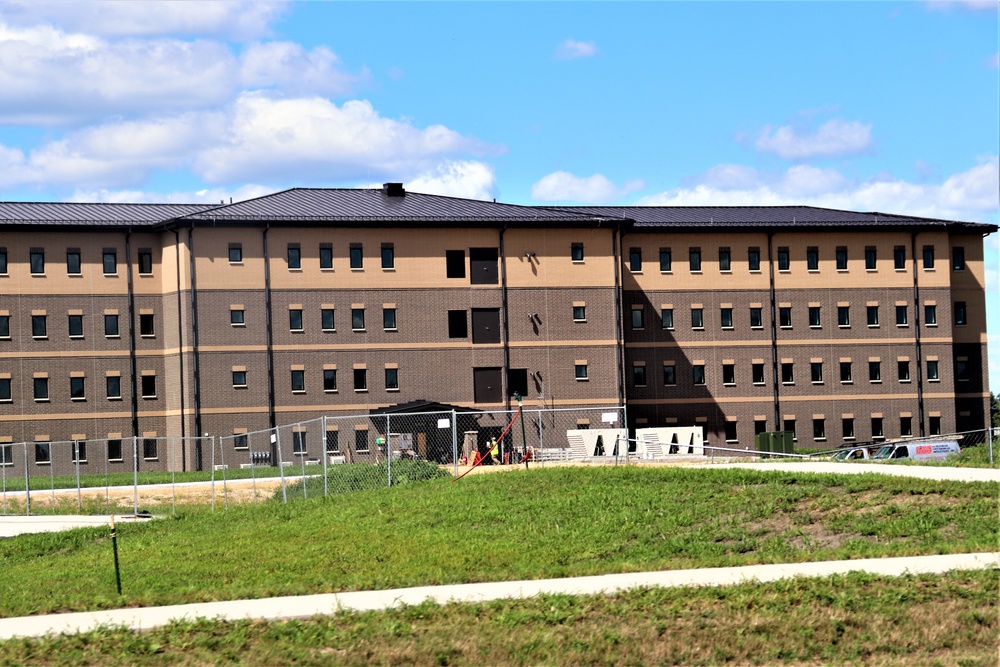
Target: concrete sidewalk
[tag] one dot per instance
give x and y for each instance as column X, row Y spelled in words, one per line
column 939, row 473
column 312, row 605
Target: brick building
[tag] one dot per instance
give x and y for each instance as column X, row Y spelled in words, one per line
column 151, row 320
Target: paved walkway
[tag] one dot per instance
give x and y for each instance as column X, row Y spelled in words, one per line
column 311, row 605
column 852, row 468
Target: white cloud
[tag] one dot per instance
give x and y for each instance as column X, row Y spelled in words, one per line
column 570, row 49
column 295, row 70
column 993, row 62
column 469, row 179
column 835, row 137
column 596, row 189
column 972, row 5
column 207, row 196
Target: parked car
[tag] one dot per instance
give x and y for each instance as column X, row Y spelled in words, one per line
column 856, row 454
column 925, row 450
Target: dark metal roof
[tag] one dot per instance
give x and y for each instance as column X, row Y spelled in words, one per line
column 65, row 213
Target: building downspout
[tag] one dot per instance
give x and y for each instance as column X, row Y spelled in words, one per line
column 916, row 335
column 269, row 341
column 194, row 345
column 774, row 334
column 180, row 346
column 506, row 320
column 131, row 335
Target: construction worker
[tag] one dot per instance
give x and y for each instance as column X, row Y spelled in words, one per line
column 495, row 451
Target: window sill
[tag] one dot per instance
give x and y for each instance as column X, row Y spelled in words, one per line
column 931, row 325
column 110, row 275
column 359, row 330
column 815, row 326
column 37, row 275
column 697, row 328
column 40, row 337
column 238, row 325
column 331, row 391
column 388, row 269
column 6, row 400
column 298, row 391
column 728, row 384
column 74, row 275
column 43, row 463
column 933, row 380
column 666, row 273
column 823, row 439
column 145, row 275
column 149, row 398
column 114, row 398
column 359, row 269
column 902, row 326
column 114, row 337
column 240, row 386
column 787, row 384
column 874, row 326
column 151, row 458
column 843, row 326
column 41, row 400
column 326, row 269
column 360, row 391
column 874, row 382
column 579, row 321
column 78, row 400
column 697, row 272
column 728, row 328
column 76, row 337
column 329, row 331
column 295, row 269
column 668, row 328
column 636, row 271
column 239, row 263
column 392, row 391
column 392, row 329
column 871, row 270
column 760, row 328
column 847, row 382
column 812, row 270
column 758, row 384
column 582, row 379
column 817, row 382
column 726, row 272
column 296, row 331
column 148, row 336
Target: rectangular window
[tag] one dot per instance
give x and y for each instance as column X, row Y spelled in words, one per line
column 753, row 259
column 3, row 261
column 146, row 328
column 332, row 442
column 41, row 389
column 905, row 426
column 109, row 260
column 76, row 326
column 787, row 373
column 326, row 255
column 874, row 371
column 39, row 326
column 871, row 258
column 785, row 317
column 295, row 319
column 358, row 319
column 784, row 259
column 388, row 256
column 145, row 262
column 149, row 448
column 149, row 386
column 5, row 326
column 576, row 252
column 759, row 426
column 357, row 256
column 812, row 258
column 694, row 257
column 958, row 258
column 77, row 389
column 237, row 317
column 241, row 441
column 389, row 319
column 729, row 374
column 6, row 455
column 899, row 257
column 235, row 253
column 580, row 371
column 903, row 370
column 635, row 259
column 114, row 449
column 756, row 318
column 299, row 442
column 360, row 379
column 329, row 379
column 726, row 317
column 845, row 372
column 725, row 259
column 698, row 374
column 790, row 427
column 814, row 316
column 579, row 313
column 327, row 319
column 930, row 315
column 5, row 392
column 485, row 326
column 819, row 429
column 697, row 318
column 932, row 371
column 960, row 314
column 455, row 263
column 638, row 318
column 670, row 375
column 666, row 260
column 928, row 257
column 844, row 316
column 667, row 317
column 458, row 324
column 74, row 266
column 731, row 432
column 294, row 256
column 111, row 326
column 934, row 425
column 841, row 258
column 757, row 370
column 847, row 428
column 816, row 372
column 43, row 452
column 961, row 370
column 113, row 385
column 37, row 261
column 240, row 379
column 901, row 317
column 639, row 376
column 298, row 378
column 361, row 440
column 872, row 314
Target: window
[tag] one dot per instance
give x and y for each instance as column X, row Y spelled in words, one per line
column 753, row 259
column 726, row 317
column 235, row 253
column 298, row 381
column 899, row 257
column 756, row 318
column 790, row 427
column 814, row 316
column 667, row 316
column 388, row 256
column 358, row 319
column 240, row 379
column 76, row 326
column 41, row 387
column 872, row 313
column 666, row 260
column 871, row 258
column 299, row 443
column 389, row 318
column 905, row 426
column 729, row 374
column 37, row 261
column 241, row 441
column 958, row 258
column 113, row 387
column 114, row 449
column 43, row 452
column 361, row 440
column 845, row 372
column 237, row 317
column 812, row 258
column 785, row 317
column 694, row 256
column 639, row 376
column 725, row 259
column 326, row 255
column 819, row 429
column 635, row 259
column 357, row 256
column 841, row 258
column 784, row 259
column 110, row 261
column 930, row 315
column 816, row 372
column 638, row 318
column 360, row 379
column 576, row 252
column 483, row 266
column 731, row 432
column 759, row 426
column 5, row 395
column 928, row 257
column 149, row 386
column 581, row 371
column 3, row 261
column 698, row 374
column 458, row 324
column 697, row 318
column 844, row 316
column 146, row 325
column 787, row 373
column 110, row 325
column 39, row 327
column 932, row 371
column 332, row 442
column 6, row 455
column 670, row 375
column 960, row 314
column 327, row 321
column 295, row 319
column 294, row 256
column 77, row 389
column 874, row 371
column 934, row 425
column 5, row 326
column 757, row 370
column 903, row 370
column 73, row 265
column 329, row 379
column 455, row 263
column 579, row 313
column 961, row 370
column 901, row 317
column 145, row 262
column 847, row 427
column 149, row 448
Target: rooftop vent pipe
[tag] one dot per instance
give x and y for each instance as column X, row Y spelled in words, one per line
column 394, row 189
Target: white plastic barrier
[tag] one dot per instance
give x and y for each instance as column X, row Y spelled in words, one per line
column 663, row 441
column 598, row 442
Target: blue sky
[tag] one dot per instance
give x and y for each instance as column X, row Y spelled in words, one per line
column 861, row 105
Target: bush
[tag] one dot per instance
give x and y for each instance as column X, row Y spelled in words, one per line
column 347, row 478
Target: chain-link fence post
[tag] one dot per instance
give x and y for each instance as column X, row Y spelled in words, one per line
column 27, row 484
column 76, row 462
column 326, row 456
column 388, row 450
column 213, row 475
column 454, row 440
column 276, row 440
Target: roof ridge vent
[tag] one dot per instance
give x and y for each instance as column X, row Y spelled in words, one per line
column 393, row 190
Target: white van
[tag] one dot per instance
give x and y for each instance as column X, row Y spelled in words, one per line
column 925, row 450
